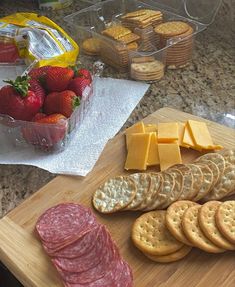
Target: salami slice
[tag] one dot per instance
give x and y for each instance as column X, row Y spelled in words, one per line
column 79, row 247
column 108, row 256
column 63, row 223
column 119, row 275
column 88, row 260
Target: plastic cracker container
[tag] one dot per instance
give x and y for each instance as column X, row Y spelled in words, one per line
column 155, row 51
column 49, row 138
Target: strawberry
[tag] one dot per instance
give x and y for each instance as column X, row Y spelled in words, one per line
column 78, row 85
column 64, row 103
column 83, row 73
column 39, row 73
column 49, row 131
column 17, row 101
column 58, row 78
column 37, row 88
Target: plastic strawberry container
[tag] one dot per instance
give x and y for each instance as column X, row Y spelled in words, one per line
column 89, row 22
column 46, row 137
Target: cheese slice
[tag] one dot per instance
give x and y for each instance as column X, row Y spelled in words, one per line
column 138, row 150
column 181, row 127
column 187, row 138
column 150, row 128
column 201, row 135
column 169, row 154
column 167, row 132
column 153, row 158
column 136, row 128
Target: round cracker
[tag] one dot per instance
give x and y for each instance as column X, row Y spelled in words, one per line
column 177, row 255
column 206, row 218
column 225, row 220
column 142, row 183
column 176, row 191
column 193, row 232
column 150, row 235
column 115, row 194
column 207, row 182
column 91, row 46
column 198, row 180
column 229, row 155
column 171, row 28
column 156, row 182
column 164, row 191
column 217, row 158
column 174, row 216
column 187, row 181
column 225, row 185
column 214, row 169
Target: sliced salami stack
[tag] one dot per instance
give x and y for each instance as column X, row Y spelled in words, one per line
column 81, row 249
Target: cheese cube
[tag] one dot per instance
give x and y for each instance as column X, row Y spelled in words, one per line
column 150, row 128
column 136, row 128
column 169, row 155
column 167, row 132
column 138, row 150
column 153, row 158
column 201, row 135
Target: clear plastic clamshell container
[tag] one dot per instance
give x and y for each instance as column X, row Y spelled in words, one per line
column 46, row 137
column 153, row 51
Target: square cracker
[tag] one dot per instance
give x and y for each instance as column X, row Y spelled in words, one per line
column 116, row 32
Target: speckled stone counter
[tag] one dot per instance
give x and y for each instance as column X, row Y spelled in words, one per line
column 205, row 88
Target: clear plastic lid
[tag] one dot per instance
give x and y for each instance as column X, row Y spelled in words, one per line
column 202, row 11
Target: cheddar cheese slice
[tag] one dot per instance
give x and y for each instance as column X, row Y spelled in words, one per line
column 187, row 138
column 138, row 150
column 181, row 127
column 167, row 132
column 169, row 154
column 153, row 158
column 201, row 135
column 136, row 128
column 150, row 128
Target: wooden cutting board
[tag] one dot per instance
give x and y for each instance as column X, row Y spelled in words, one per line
column 22, row 253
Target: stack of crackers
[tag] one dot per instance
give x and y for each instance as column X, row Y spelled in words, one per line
column 178, row 55
column 142, row 23
column 146, row 69
column 210, row 177
column 114, row 49
column 167, row 236
column 91, row 46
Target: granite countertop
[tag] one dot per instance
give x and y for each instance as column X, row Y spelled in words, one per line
column 204, row 88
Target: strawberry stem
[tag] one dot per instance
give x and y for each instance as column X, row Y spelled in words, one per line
column 21, row 85
column 76, row 102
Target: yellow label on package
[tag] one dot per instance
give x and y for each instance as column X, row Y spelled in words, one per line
column 40, row 40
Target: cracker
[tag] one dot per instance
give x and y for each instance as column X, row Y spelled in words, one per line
column 193, row 232
column 115, row 194
column 225, row 220
column 207, row 182
column 172, row 28
column 208, row 225
column 91, row 46
column 187, row 180
column 143, row 183
column 229, row 155
column 116, row 32
column 174, row 216
column 156, row 182
column 217, row 158
column 150, row 235
column 134, row 14
column 214, row 169
column 165, row 190
column 176, row 191
column 225, row 185
column 129, row 38
column 149, row 67
column 198, row 180
column 177, row 255
column 132, row 46
column 143, row 59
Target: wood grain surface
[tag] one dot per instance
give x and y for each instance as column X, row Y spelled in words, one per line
column 21, row 251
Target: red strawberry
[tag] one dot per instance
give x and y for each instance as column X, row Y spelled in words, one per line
column 49, row 131
column 39, row 73
column 78, row 85
column 17, row 101
column 83, row 73
column 58, row 78
column 64, row 103
column 38, row 116
column 37, row 88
